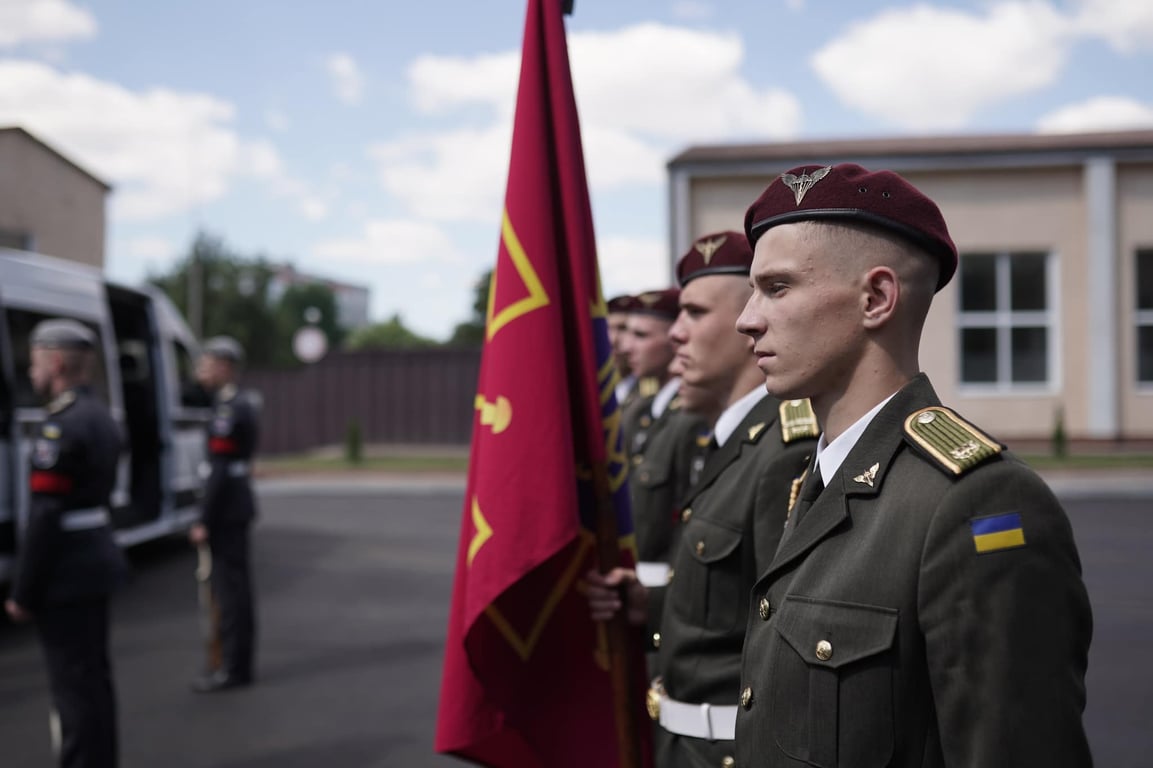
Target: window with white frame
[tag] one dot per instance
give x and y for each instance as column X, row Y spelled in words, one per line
column 1006, row 319
column 1144, row 311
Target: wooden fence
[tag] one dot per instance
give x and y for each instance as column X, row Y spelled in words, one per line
column 421, row 396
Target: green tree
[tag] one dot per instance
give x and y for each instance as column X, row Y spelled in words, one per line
column 471, row 332
column 225, row 292
column 312, row 303
column 392, row 334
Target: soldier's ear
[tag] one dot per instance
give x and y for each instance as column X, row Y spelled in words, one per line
column 881, row 292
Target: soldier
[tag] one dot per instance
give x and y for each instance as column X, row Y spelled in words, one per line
column 647, row 348
column 619, row 308
column 228, row 511
column 925, row 607
column 69, row 563
column 732, row 517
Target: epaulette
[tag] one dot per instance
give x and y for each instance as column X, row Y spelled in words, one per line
column 648, row 386
column 953, row 443
column 798, row 421
column 62, row 401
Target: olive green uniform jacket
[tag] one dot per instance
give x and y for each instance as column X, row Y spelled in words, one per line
column 659, row 480
column 733, row 519
column 882, row 634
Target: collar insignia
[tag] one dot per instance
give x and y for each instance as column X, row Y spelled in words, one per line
column 803, row 183
column 755, row 430
column 868, row 475
column 706, row 248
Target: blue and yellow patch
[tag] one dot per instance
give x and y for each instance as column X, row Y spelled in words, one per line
column 997, row 532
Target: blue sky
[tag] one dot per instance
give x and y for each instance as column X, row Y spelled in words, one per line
column 367, row 141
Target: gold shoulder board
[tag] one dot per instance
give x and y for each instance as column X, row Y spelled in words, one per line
column 648, row 386
column 951, row 441
column 798, row 421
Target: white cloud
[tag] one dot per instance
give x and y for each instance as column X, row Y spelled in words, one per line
column 448, row 176
column 162, row 150
column 43, row 21
column 389, row 241
column 928, row 68
column 147, row 247
column 631, row 264
column 1127, row 25
column 642, row 92
column 1103, row 113
column 346, row 78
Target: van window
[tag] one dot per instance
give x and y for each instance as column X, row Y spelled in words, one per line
column 192, row 395
column 20, row 325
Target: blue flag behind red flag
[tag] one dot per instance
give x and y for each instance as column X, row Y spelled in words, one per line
column 526, row 677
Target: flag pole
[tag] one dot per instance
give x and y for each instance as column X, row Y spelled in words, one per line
column 625, row 707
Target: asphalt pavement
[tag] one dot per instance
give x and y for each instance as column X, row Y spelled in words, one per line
column 354, row 578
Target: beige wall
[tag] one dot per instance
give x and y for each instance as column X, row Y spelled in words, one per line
column 1135, row 227
column 1012, row 209
column 44, row 195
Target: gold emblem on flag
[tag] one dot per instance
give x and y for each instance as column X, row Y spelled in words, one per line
column 803, row 183
column 706, row 248
column 497, row 414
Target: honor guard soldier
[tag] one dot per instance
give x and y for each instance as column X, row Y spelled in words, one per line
column 228, row 511
column 925, row 607
column 732, row 517
column 646, row 346
column 619, row 308
column 68, row 563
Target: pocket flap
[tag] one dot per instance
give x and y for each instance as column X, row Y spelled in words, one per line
column 709, row 542
column 832, row 634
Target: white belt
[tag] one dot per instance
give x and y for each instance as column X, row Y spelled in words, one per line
column 653, row 574
column 84, row 519
column 700, row 721
column 238, row 469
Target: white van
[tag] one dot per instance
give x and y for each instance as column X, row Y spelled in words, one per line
column 144, row 369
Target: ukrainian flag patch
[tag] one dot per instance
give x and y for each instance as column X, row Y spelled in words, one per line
column 997, row 532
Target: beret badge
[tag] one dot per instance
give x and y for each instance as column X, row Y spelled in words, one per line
column 803, row 183
column 706, row 248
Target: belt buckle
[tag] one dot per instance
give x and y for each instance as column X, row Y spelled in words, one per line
column 653, row 699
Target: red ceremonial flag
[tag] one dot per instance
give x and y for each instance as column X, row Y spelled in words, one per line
column 528, row 677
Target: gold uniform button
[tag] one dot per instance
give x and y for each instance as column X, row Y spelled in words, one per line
column 656, row 639
column 747, row 698
column 646, row 421
column 637, row 460
column 700, row 547
column 644, row 477
column 765, row 609
column 688, row 513
column 824, row 650
column 728, row 762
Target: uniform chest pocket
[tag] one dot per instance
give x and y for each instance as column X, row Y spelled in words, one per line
column 652, row 473
column 717, row 591
column 832, row 697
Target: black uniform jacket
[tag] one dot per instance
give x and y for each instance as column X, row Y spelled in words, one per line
column 889, row 631
column 233, row 432
column 73, row 468
column 732, row 520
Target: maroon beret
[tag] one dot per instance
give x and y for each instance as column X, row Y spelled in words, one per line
column 721, row 253
column 623, row 303
column 848, row 192
column 664, row 304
